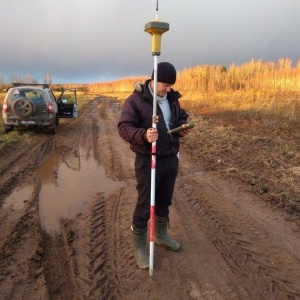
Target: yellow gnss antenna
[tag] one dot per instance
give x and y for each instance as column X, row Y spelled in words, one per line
column 156, row 28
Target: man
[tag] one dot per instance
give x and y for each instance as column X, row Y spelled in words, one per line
column 135, row 127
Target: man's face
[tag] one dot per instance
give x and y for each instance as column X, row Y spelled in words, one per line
column 163, row 89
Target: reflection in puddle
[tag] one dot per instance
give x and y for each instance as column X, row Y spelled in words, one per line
column 47, row 171
column 18, row 198
column 67, row 188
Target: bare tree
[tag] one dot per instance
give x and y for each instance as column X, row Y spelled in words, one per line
column 28, row 78
column 2, row 80
column 15, row 78
column 48, row 78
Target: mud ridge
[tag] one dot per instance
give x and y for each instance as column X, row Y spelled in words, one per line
column 21, row 165
column 14, row 251
column 102, row 272
column 244, row 258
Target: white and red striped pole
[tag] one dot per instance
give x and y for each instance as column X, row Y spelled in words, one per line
column 156, row 29
column 153, row 173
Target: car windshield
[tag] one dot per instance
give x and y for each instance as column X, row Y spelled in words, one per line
column 29, row 93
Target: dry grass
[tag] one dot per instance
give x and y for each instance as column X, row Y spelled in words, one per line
column 118, row 96
column 254, row 141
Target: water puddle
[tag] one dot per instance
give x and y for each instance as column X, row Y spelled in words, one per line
column 68, row 186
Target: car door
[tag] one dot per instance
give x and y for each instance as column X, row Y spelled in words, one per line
column 67, row 104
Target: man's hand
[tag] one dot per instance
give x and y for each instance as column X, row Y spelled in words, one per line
column 184, row 132
column 151, row 135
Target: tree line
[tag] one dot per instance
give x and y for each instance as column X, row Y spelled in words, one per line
column 252, row 75
column 28, row 79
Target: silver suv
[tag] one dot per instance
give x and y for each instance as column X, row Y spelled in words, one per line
column 35, row 105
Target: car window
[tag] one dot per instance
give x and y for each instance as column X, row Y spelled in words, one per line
column 51, row 96
column 17, row 93
column 68, row 97
column 32, row 94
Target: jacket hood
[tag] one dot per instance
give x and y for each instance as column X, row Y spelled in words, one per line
column 143, row 88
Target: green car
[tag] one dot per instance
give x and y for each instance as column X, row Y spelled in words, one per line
column 32, row 105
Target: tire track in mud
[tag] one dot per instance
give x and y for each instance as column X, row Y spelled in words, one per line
column 246, row 248
column 60, row 264
column 90, row 130
column 21, row 230
column 119, row 261
column 108, row 155
column 110, row 267
column 110, row 264
column 21, row 172
column 57, row 269
column 14, row 252
column 103, row 263
column 100, row 139
column 25, row 160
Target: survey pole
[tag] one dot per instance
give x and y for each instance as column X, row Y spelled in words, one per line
column 156, row 28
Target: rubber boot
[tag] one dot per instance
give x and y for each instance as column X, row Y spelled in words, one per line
column 139, row 239
column 161, row 235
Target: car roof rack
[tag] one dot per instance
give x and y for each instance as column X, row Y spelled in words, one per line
column 44, row 85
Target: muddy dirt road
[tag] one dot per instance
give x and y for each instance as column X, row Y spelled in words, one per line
column 66, row 204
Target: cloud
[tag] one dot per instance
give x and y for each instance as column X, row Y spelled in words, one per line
column 96, row 40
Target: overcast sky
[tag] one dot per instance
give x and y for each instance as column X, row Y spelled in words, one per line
column 85, row 41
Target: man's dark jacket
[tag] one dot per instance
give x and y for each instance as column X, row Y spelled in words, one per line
column 136, row 118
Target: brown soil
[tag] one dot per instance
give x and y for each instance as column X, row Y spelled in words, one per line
column 66, row 207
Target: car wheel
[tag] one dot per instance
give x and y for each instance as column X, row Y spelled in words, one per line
column 8, row 128
column 23, row 107
column 52, row 128
column 57, row 120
